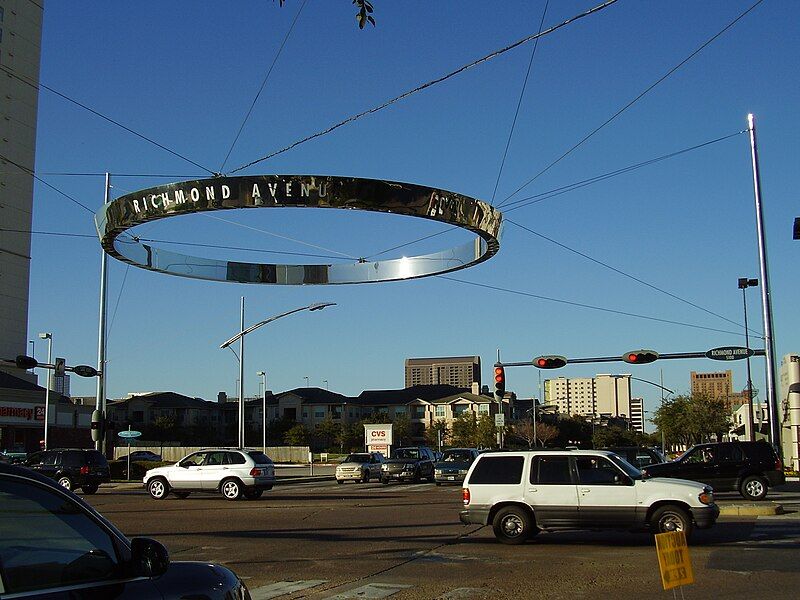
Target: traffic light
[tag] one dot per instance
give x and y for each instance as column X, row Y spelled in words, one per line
column 26, row 362
column 640, row 357
column 499, row 382
column 549, row 362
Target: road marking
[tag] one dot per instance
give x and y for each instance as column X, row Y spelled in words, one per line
column 775, row 531
column 281, row 588
column 371, row 590
column 458, row 593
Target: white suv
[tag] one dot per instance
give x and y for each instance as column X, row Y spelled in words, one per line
column 522, row 493
column 234, row 472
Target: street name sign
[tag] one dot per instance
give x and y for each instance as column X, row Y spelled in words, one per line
column 129, row 434
column 729, row 353
column 499, row 420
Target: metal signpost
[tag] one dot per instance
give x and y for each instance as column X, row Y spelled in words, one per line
column 128, row 436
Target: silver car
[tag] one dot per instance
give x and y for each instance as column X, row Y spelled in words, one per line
column 360, row 466
column 233, row 472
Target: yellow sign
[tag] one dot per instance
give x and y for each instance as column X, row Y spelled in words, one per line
column 673, row 559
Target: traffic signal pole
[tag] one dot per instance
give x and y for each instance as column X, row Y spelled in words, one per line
column 100, row 403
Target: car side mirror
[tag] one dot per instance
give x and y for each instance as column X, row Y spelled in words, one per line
column 149, row 558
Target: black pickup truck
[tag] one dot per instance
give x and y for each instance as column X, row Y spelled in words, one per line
column 412, row 464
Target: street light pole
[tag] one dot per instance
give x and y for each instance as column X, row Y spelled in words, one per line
column 745, row 283
column 263, row 376
column 49, row 338
column 240, row 336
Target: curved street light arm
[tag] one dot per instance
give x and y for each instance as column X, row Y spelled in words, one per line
column 310, row 307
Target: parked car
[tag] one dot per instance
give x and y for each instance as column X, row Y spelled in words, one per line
column 523, row 493
column 12, row 457
column 234, row 472
column 54, row 545
column 453, row 465
column 414, row 464
column 360, row 466
column 72, row 468
column 144, row 455
column 638, row 456
column 750, row 468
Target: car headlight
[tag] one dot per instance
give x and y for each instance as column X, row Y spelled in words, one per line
column 707, row 496
column 384, row 467
column 462, row 472
column 438, row 471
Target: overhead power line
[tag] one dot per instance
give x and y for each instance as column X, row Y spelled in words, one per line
column 427, row 85
column 631, row 103
column 581, row 305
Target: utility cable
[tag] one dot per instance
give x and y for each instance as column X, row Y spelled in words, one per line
column 283, row 237
column 105, row 118
column 427, row 85
column 581, row 305
column 519, row 104
column 632, row 102
column 116, row 305
column 263, row 84
column 56, row 233
column 523, row 202
column 620, row 272
column 572, row 186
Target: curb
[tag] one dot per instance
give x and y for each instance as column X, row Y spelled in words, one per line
column 752, row 510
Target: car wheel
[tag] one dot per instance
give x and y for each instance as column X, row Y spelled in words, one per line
column 365, row 477
column 231, row 489
column 512, row 525
column 385, row 480
column 65, row 482
column 89, row 489
column 438, row 483
column 415, row 479
column 754, row 488
column 671, row 518
column 253, row 494
column 158, row 488
column 182, row 495
column 340, row 481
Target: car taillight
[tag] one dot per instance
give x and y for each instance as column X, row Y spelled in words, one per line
column 255, row 472
column 85, row 470
column 465, row 495
column 778, row 464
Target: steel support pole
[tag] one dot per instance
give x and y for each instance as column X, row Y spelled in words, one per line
column 47, row 385
column 766, row 304
column 750, row 423
column 100, row 403
column 241, row 381
column 264, row 413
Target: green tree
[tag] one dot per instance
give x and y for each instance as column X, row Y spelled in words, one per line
column 297, row 435
column 432, row 432
column 349, row 439
column 163, row 427
column 689, row 420
column 525, row 431
column 464, row 429
column 574, row 431
column 401, row 429
column 485, row 432
column 325, row 433
column 614, row 435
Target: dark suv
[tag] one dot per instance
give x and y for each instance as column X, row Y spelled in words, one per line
column 72, row 468
column 749, row 468
column 409, row 464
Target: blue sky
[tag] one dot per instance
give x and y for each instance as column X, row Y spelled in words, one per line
column 185, row 73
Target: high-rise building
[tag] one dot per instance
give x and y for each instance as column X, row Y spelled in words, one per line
column 602, row 395
column 20, row 43
column 718, row 385
column 458, row 371
column 637, row 414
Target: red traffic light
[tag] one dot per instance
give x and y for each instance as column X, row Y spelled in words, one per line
column 499, row 374
column 640, row 357
column 499, row 382
column 549, row 362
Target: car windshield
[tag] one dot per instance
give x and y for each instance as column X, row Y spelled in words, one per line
column 407, row 453
column 457, row 456
column 629, row 469
column 357, row 458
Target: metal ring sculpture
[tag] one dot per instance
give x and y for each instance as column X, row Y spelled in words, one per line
column 276, row 191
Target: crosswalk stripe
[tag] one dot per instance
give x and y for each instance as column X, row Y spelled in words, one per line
column 281, row 588
column 371, row 591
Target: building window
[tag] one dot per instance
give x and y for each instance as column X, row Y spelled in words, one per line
column 417, row 412
column 319, row 414
column 483, row 409
column 460, row 409
column 439, row 410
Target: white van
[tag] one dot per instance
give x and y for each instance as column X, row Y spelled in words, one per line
column 522, row 493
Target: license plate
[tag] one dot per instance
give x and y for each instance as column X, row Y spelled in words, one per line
column 451, row 478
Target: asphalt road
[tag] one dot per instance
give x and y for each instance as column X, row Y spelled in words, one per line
column 321, row 540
